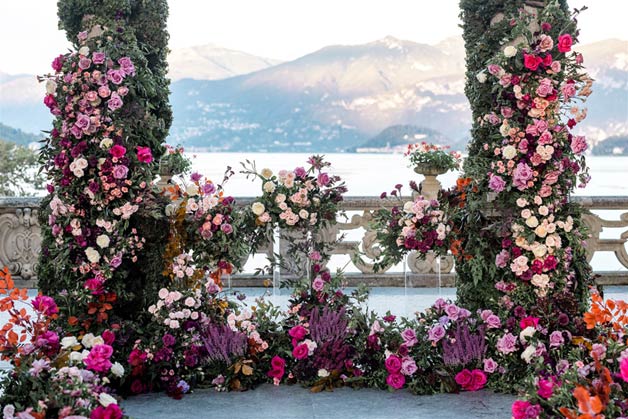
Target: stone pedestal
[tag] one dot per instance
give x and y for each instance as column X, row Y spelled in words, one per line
column 430, row 186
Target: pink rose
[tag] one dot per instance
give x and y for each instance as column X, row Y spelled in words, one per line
column 120, row 171
column 409, row 338
column 565, row 42
column 493, row 322
column 57, row 63
column 300, row 351
column 49, row 101
column 114, row 102
column 98, row 358
column 529, row 322
column 578, row 144
column 318, row 284
column 478, row 380
column 84, row 63
column 103, row 91
column 521, row 175
column 323, row 179
column 393, row 364
column 436, row 333
column 494, row 69
column 298, row 332
column 463, row 378
column 623, row 369
column 123, row 90
column 144, row 154
column 112, row 411
column 545, row 388
column 117, row 151
column 556, row 339
column 115, row 76
column 496, row 183
column 408, row 366
column 45, row 305
column 546, row 43
column 277, row 369
column 490, row 366
column 127, row 66
column 531, row 62
column 396, row 380
column 98, row 57
column 568, row 90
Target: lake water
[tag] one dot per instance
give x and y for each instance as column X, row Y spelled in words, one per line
column 372, row 174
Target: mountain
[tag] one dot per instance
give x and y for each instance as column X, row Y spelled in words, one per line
column 330, row 100
column 397, row 137
column 334, row 99
column 616, row 146
column 17, row 136
column 210, row 62
column 607, row 63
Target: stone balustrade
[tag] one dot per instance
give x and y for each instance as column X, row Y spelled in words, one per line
column 20, row 242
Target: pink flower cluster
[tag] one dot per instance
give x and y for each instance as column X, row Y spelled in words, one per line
column 471, row 380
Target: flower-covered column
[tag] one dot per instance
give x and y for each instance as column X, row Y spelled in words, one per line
column 524, row 161
column 111, row 117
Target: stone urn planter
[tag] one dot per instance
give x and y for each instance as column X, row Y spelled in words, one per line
column 430, row 185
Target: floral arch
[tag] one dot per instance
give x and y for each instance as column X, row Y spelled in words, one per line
column 129, row 312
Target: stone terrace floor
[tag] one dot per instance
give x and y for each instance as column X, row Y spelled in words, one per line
column 294, row 402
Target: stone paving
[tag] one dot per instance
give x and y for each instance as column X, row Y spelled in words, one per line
column 294, row 402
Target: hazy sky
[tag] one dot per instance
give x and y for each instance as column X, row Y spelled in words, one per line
column 283, row 29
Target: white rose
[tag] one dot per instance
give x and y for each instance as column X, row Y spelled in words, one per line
column 267, row 173
column 84, row 51
column 68, row 342
column 106, row 143
column 543, row 210
column 510, row 51
column 192, row 190
column 481, row 76
column 105, row 399
column 539, row 250
column 98, row 340
column 407, row 207
column 102, row 241
column 258, row 208
column 526, row 333
column 540, row 281
column 51, row 86
column 323, row 373
column 88, row 340
column 303, row 214
column 269, row 187
column 532, row 222
column 528, row 353
column 509, row 152
column 92, row 255
column 504, row 128
column 117, row 369
column 76, row 357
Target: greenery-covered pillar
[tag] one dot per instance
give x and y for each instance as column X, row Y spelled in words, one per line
column 522, row 248
column 103, row 231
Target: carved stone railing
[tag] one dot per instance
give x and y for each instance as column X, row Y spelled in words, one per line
column 20, row 241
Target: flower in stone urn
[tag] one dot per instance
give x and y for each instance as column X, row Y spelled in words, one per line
column 432, row 159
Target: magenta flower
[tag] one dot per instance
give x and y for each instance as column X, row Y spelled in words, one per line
column 623, row 369
column 393, row 364
column 396, row 380
column 117, row 151
column 298, row 332
column 98, row 358
column 564, row 43
column 300, row 351
column 277, row 369
column 57, row 63
column 45, row 305
column 144, row 154
column 112, row 411
column 409, row 338
column 323, row 179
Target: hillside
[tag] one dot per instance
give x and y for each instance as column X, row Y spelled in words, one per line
column 397, row 137
column 17, row 136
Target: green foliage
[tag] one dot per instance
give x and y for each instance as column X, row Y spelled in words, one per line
column 18, row 170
